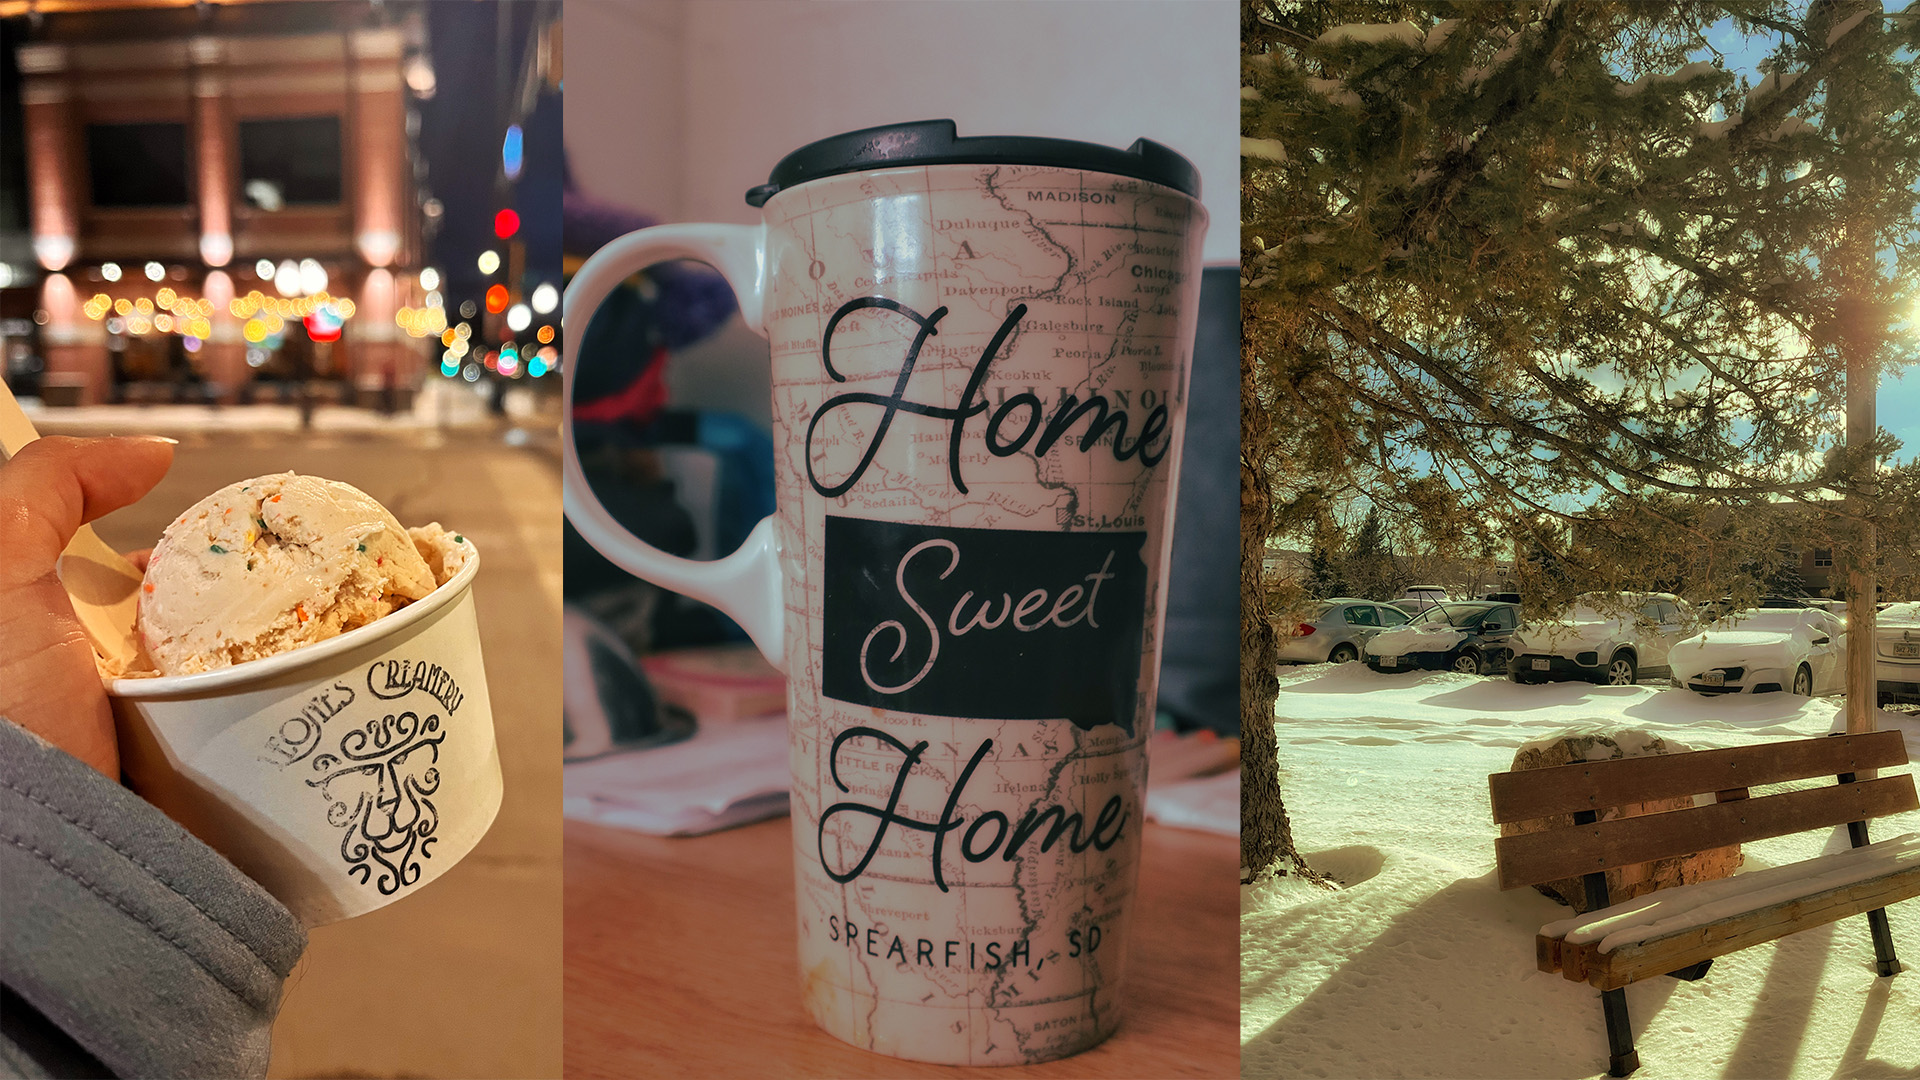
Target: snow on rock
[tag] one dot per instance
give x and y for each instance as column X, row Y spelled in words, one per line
column 1420, row 966
column 1268, row 149
column 1625, row 882
column 1402, row 33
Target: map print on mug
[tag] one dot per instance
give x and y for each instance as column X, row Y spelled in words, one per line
column 980, row 354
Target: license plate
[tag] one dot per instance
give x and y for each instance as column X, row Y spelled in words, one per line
column 1908, row 649
column 1713, row 678
column 1542, row 664
column 1389, row 661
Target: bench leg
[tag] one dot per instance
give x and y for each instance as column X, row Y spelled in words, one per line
column 1884, row 960
column 1622, row 1057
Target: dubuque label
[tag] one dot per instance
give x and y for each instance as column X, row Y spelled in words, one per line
column 984, row 623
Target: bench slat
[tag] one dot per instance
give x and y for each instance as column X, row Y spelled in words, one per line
column 1531, row 858
column 1631, row 963
column 1596, row 785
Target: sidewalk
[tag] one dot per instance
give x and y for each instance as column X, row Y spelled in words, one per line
column 441, row 403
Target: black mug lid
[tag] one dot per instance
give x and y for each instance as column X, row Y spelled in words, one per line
column 937, row 142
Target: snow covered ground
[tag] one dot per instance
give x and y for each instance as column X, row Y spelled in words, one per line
column 1419, row 966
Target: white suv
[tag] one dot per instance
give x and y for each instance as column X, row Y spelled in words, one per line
column 1607, row 638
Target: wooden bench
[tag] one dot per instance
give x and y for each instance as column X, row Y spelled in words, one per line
column 1678, row 931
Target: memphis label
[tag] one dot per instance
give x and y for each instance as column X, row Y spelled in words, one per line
column 988, row 624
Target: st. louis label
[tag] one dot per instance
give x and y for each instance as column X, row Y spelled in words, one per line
column 985, row 623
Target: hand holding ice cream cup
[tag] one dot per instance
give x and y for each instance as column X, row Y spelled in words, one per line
column 310, row 699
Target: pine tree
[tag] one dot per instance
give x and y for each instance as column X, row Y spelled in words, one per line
column 1515, row 267
column 1370, row 560
column 1326, row 563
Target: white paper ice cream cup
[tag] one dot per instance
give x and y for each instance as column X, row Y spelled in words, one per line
column 341, row 776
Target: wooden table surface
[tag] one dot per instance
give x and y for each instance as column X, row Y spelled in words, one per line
column 680, row 962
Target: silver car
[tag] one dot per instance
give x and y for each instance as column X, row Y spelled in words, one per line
column 1337, row 630
column 1897, row 654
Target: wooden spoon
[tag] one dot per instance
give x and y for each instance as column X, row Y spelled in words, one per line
column 103, row 585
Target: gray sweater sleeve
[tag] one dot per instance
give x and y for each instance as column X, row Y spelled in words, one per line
column 127, row 946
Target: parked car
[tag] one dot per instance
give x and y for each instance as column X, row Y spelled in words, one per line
column 1897, row 654
column 1501, row 597
column 1609, row 638
column 1469, row 636
column 1418, row 598
column 1715, row 610
column 1337, row 629
column 1768, row 649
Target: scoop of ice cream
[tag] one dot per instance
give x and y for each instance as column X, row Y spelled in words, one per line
column 446, row 553
column 271, row 564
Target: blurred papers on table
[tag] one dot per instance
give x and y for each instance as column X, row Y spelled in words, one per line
column 735, row 771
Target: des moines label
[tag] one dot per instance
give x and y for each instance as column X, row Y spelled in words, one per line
column 984, row 623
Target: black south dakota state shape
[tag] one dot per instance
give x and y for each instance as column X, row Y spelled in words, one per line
column 984, row 623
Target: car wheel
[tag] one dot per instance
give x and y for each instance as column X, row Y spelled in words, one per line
column 1343, row 653
column 1803, row 681
column 1467, row 663
column 1621, row 670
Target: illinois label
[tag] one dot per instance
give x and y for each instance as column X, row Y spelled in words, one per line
column 985, row 623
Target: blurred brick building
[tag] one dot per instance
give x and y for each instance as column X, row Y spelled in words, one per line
column 219, row 201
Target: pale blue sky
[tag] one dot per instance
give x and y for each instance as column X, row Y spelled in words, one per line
column 1899, row 401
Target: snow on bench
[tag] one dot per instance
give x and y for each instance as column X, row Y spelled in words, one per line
column 1671, row 911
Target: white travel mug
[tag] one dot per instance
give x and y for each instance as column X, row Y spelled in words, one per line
column 980, row 353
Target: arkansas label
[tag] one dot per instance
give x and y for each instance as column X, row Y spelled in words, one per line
column 984, row 623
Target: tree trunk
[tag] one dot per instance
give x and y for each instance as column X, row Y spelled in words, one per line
column 1857, row 332
column 1266, row 835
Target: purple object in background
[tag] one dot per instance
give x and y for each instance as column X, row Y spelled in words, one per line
column 692, row 301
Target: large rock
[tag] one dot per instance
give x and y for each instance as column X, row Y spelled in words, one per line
column 1626, row 882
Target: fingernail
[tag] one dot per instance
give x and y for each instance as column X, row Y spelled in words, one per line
column 157, row 438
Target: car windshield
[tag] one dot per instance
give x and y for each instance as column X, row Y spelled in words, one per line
column 1766, row 619
column 1462, row 615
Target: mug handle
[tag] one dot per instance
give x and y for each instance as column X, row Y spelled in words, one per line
column 746, row 584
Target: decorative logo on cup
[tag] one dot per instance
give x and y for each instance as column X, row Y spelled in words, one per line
column 379, row 775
